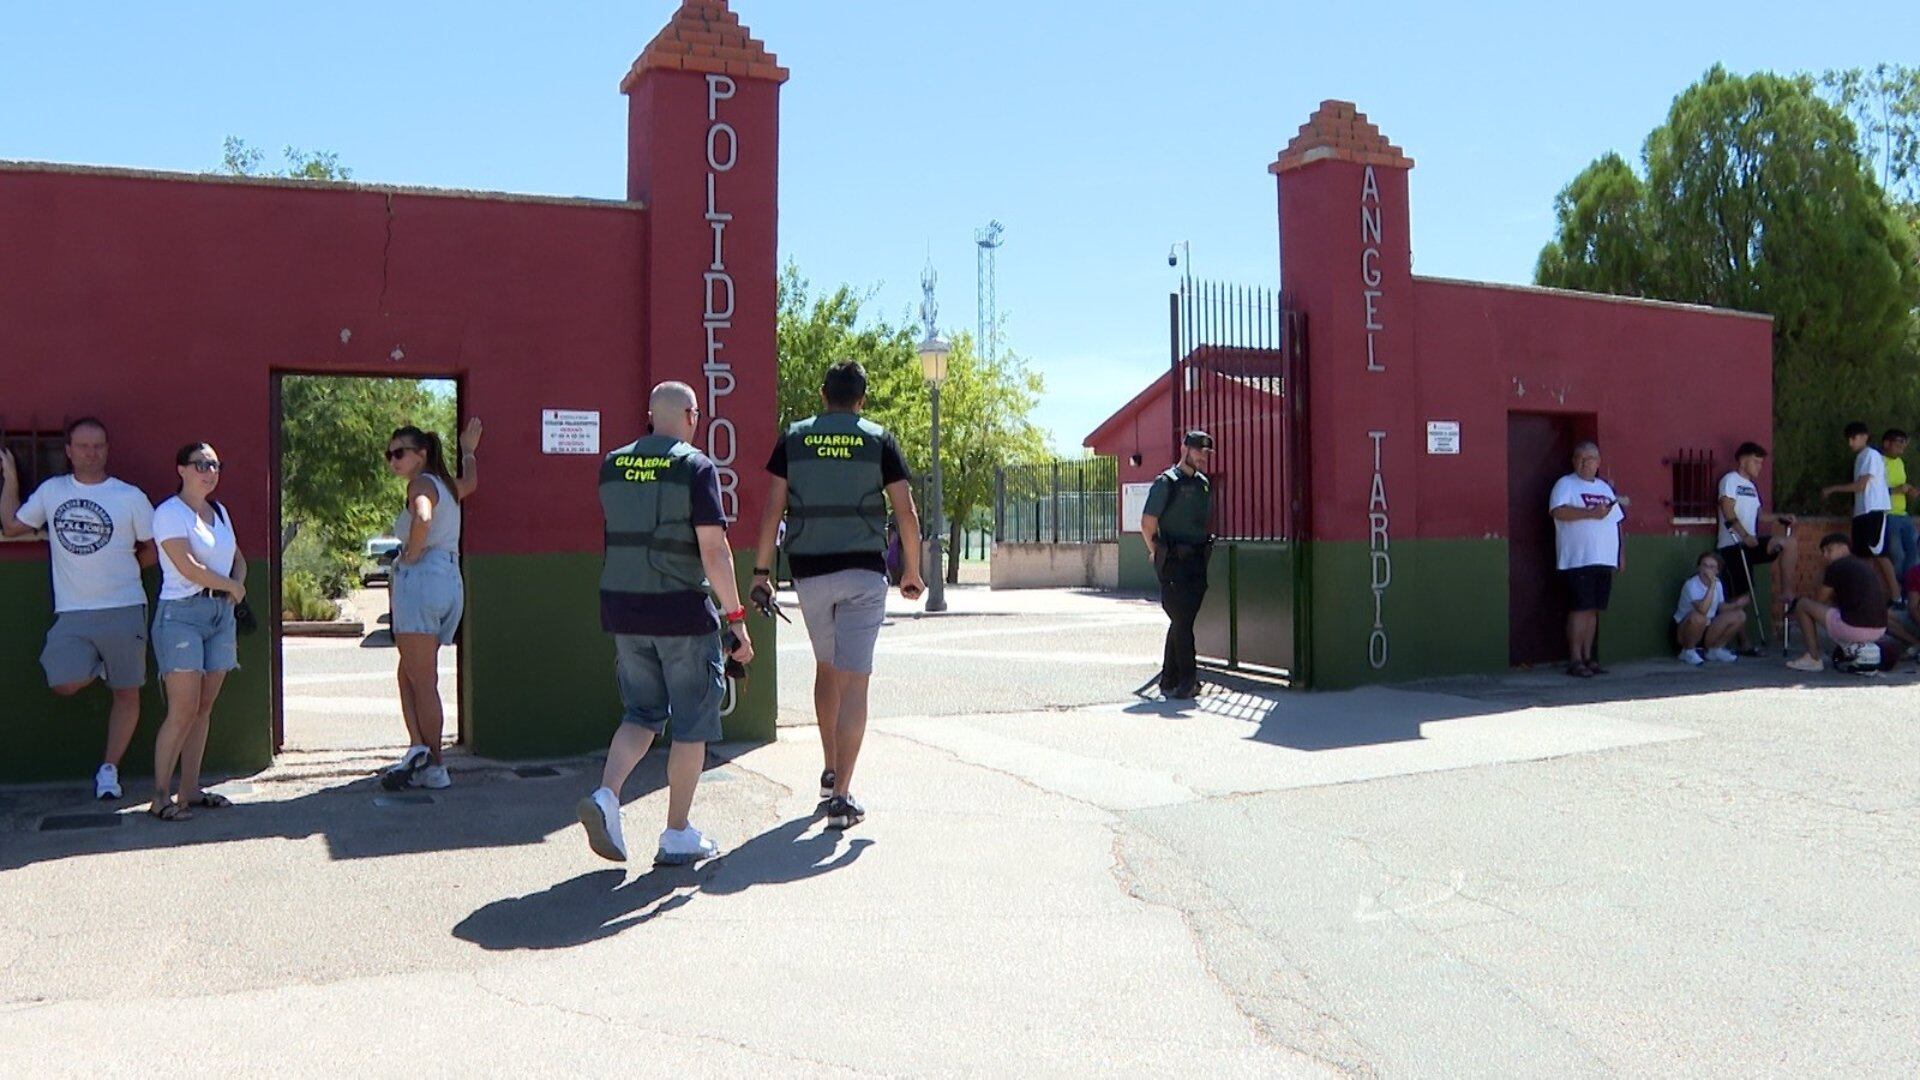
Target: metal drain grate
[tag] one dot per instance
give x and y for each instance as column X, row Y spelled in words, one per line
column 68, row 822
column 536, row 772
column 410, row 799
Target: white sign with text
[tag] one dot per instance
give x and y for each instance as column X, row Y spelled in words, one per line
column 1443, row 436
column 569, row 431
column 1133, row 503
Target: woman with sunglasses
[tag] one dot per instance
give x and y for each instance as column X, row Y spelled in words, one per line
column 427, row 592
column 202, row 579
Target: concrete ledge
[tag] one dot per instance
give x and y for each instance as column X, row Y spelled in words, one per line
column 323, row 629
column 1056, row 566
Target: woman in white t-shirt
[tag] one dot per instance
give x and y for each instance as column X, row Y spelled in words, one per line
column 1702, row 620
column 194, row 637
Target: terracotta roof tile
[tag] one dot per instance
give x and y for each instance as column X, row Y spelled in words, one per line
column 706, row 36
column 1341, row 132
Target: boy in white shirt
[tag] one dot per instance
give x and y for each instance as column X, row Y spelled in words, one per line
column 1741, row 543
column 100, row 536
column 1702, row 619
column 1871, row 501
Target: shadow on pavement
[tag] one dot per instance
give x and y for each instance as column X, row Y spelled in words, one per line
column 489, row 806
column 603, row 903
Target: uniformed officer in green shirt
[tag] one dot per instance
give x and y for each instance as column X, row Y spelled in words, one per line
column 1175, row 527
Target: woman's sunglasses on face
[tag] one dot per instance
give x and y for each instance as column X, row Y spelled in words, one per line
column 201, row 465
column 395, row 453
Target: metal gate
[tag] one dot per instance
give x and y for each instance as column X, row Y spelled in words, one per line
column 1239, row 372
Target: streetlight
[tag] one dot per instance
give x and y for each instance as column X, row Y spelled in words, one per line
column 933, row 365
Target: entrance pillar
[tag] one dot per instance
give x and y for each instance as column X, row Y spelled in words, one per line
column 1346, row 262
column 703, row 155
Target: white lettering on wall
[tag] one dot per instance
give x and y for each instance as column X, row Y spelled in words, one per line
column 717, row 298
column 1379, row 555
column 1370, row 264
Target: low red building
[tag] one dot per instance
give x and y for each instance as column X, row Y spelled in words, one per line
column 170, row 306
column 1432, row 417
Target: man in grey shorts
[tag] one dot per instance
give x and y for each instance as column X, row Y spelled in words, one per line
column 100, row 535
column 666, row 548
column 833, row 476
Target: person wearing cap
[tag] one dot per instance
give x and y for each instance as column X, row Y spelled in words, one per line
column 1175, row 528
column 666, row 559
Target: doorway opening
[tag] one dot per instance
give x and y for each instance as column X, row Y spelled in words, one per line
column 1539, row 452
column 336, row 502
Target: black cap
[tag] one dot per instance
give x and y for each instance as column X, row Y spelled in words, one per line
column 1199, row 440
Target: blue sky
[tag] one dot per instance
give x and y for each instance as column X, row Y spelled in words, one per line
column 1099, row 133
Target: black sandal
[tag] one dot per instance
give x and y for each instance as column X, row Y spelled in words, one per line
column 212, row 800
column 169, row 811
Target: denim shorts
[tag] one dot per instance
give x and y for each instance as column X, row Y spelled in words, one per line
column 680, row 679
column 82, row 643
column 428, row 596
column 843, row 611
column 196, row 634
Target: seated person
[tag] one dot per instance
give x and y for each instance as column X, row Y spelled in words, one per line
column 1851, row 605
column 1702, row 619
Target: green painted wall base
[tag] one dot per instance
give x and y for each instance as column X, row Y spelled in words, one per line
column 1444, row 611
column 49, row 738
column 539, row 672
column 1136, row 570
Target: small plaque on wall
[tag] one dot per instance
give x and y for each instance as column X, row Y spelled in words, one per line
column 1443, row 436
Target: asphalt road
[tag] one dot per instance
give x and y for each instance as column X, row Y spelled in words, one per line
column 1667, row 872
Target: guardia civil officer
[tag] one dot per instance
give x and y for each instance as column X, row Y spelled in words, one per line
column 666, row 559
column 1175, row 527
column 833, row 476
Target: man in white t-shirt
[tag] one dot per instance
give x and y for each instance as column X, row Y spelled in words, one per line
column 1703, row 622
column 1742, row 546
column 1586, row 539
column 1871, row 501
column 99, row 536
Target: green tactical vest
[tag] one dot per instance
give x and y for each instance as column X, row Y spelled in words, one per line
column 646, row 493
column 836, row 494
column 1189, row 506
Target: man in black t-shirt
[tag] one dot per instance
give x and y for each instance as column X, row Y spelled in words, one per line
column 833, row 477
column 1851, row 605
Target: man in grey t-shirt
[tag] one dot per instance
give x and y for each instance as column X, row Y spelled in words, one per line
column 99, row 537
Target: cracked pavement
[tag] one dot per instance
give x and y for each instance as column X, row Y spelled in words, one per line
column 1680, row 873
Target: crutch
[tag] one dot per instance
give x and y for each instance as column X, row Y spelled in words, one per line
column 1786, row 614
column 1753, row 596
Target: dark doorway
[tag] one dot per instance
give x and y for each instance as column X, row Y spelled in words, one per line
column 335, row 502
column 1539, row 452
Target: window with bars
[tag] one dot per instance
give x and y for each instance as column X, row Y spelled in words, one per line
column 37, row 455
column 1695, row 498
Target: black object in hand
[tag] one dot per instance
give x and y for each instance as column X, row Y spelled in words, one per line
column 736, row 670
column 243, row 618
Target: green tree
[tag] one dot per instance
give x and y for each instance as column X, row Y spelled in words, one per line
column 984, row 408
column 335, row 485
column 1756, row 197
column 239, row 159
column 1885, row 106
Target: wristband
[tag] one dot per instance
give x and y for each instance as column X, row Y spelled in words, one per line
column 737, row 615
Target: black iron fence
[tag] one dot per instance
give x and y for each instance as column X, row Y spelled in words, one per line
column 1237, row 352
column 1065, row 501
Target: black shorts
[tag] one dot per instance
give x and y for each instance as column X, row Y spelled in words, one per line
column 1870, row 534
column 1736, row 560
column 1588, row 587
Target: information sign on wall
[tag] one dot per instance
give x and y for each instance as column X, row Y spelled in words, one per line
column 1133, row 503
column 1443, row 436
column 569, row 431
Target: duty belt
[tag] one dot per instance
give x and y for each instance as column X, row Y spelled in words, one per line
column 652, row 541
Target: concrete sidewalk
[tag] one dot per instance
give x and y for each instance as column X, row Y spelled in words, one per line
column 1667, row 872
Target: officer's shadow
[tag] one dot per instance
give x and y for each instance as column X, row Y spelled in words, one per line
column 602, row 903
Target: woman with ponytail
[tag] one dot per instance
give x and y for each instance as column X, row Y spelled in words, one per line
column 427, row 593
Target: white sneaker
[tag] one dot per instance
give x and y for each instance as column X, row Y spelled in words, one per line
column 679, row 847
column 1721, row 656
column 600, row 814
column 1808, row 662
column 407, row 762
column 106, row 783
column 432, row 776
column 1691, row 657
column 402, row 775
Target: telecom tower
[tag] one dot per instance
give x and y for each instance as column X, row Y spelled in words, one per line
column 987, row 336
